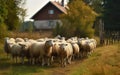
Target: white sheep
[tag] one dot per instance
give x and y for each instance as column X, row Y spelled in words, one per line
column 48, row 51
column 76, row 50
column 52, row 49
column 37, row 52
column 81, row 43
column 19, row 40
column 25, row 50
column 15, row 51
column 66, row 52
column 9, row 42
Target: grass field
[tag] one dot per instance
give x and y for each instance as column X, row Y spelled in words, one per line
column 104, row 61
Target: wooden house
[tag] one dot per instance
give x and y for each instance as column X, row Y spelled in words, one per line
column 48, row 16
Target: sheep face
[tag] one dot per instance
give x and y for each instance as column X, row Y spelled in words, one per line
column 24, row 47
column 63, row 46
column 63, row 50
column 49, row 43
column 48, row 47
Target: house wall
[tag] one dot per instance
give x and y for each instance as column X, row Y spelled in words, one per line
column 44, row 15
column 46, row 24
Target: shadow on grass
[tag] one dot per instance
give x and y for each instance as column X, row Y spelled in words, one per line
column 27, row 69
column 7, row 67
column 4, row 64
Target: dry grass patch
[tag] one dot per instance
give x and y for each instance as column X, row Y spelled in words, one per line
column 104, row 61
column 31, row 35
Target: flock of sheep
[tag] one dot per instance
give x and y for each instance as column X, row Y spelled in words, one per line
column 46, row 50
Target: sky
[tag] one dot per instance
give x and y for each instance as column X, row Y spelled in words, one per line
column 33, row 6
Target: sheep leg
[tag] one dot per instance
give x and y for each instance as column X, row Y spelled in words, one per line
column 13, row 58
column 28, row 61
column 80, row 55
column 73, row 57
column 22, row 59
column 51, row 60
column 69, row 59
column 35, row 60
column 64, row 62
column 43, row 62
column 16, row 59
column 48, row 61
column 32, row 61
column 61, row 62
column 7, row 55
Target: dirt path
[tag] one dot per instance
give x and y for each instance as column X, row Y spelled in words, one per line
column 56, row 69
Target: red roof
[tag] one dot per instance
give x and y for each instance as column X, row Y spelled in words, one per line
column 56, row 4
column 61, row 8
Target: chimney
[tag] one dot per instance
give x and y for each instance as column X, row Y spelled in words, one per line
column 62, row 3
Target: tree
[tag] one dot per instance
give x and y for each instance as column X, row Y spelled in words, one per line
column 79, row 20
column 3, row 11
column 111, row 15
column 14, row 8
column 97, row 5
column 3, row 16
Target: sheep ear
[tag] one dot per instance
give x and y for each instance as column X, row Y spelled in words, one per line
column 59, row 44
column 66, row 44
column 21, row 44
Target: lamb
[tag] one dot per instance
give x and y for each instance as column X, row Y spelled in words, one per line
column 15, row 51
column 87, row 46
column 37, row 51
column 76, row 50
column 66, row 53
column 25, row 50
column 94, row 42
column 83, row 48
column 19, row 40
column 75, row 46
column 9, row 42
column 52, row 49
column 40, row 40
column 90, row 45
column 48, row 51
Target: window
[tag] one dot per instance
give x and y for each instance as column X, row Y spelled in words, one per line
column 51, row 23
column 50, row 11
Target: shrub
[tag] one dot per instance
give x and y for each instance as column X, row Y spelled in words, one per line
column 3, row 31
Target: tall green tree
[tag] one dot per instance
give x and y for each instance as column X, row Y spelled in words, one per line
column 3, row 11
column 97, row 5
column 14, row 8
column 111, row 15
column 78, row 21
column 10, row 12
column 3, row 16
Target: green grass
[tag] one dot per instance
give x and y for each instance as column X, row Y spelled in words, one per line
column 104, row 61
